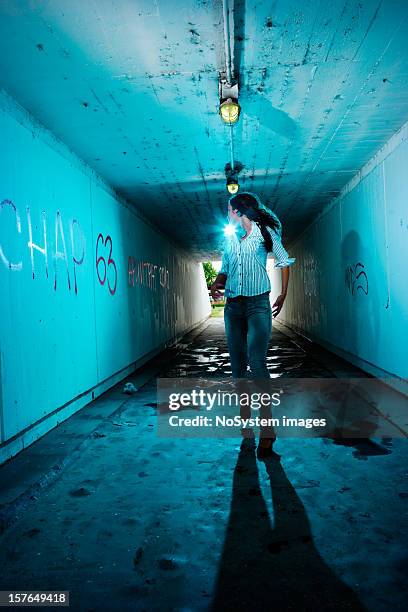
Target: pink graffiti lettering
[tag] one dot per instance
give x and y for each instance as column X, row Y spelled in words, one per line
column 100, row 259
column 59, row 231
column 80, row 261
column 144, row 273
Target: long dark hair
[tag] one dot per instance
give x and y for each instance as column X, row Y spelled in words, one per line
column 248, row 205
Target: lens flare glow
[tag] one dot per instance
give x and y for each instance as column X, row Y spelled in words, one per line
column 230, row 229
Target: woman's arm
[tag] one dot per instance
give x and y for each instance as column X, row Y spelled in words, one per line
column 283, row 261
column 221, row 279
column 277, row 307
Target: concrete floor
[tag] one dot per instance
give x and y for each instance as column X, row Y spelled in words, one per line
column 126, row 520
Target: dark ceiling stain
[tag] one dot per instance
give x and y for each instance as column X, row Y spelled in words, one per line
column 195, row 36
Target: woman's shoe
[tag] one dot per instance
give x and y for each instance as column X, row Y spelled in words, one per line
column 265, row 451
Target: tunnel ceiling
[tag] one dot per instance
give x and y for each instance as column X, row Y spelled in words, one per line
column 132, row 88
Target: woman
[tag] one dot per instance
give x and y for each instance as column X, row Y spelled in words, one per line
column 243, row 274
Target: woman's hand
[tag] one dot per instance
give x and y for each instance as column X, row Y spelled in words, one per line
column 277, row 307
column 217, row 285
column 215, row 290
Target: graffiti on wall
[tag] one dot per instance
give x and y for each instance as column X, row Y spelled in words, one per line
column 62, row 255
column 105, row 264
column 356, row 278
column 146, row 274
column 68, row 253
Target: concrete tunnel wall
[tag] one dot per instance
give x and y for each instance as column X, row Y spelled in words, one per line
column 348, row 287
column 89, row 290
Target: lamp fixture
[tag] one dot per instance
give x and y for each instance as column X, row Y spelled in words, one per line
column 232, row 185
column 231, row 175
column 229, row 111
column 229, row 107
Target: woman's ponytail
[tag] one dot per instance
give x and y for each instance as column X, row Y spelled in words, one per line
column 250, row 205
column 266, row 236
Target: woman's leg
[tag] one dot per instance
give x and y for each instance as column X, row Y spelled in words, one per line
column 236, row 331
column 259, row 317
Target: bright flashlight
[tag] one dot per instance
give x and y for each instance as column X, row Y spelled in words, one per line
column 230, row 229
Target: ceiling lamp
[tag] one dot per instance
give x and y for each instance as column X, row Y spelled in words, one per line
column 229, row 111
column 229, row 107
column 231, row 175
column 232, row 185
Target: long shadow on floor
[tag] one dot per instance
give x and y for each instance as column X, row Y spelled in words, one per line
column 265, row 567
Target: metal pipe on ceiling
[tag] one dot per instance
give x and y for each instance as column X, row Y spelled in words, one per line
column 227, row 41
column 229, row 71
column 232, row 147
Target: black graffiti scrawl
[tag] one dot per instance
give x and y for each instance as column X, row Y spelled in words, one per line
column 356, row 279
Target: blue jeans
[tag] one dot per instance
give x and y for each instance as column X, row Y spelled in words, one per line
column 248, row 325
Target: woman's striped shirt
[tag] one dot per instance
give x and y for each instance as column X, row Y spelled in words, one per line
column 244, row 262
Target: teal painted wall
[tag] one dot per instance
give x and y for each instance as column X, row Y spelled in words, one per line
column 349, row 288
column 88, row 287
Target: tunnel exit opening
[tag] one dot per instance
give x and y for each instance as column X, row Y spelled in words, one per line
column 211, row 269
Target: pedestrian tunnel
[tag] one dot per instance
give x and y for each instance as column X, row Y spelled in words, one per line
column 125, row 128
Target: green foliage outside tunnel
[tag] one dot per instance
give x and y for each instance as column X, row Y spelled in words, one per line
column 210, row 273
